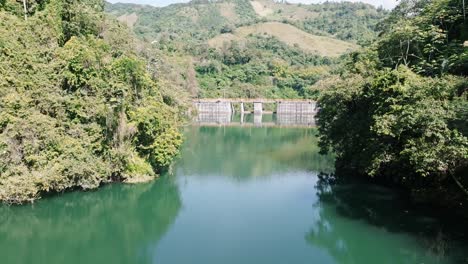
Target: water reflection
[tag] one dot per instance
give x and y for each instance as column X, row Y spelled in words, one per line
column 213, row 118
column 249, row 152
column 239, row 195
column 356, row 214
column 257, row 120
column 117, row 224
column 292, row 120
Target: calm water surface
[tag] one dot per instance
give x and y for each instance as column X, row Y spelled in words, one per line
column 237, row 195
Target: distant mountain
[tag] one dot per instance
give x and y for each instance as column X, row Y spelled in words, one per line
column 233, row 35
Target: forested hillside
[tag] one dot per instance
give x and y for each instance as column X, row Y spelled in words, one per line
column 243, row 48
column 398, row 112
column 82, row 101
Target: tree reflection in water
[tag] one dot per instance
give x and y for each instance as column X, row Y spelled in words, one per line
column 260, row 151
column 117, row 224
column 356, row 214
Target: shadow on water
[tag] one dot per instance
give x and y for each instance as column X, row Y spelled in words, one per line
column 260, row 151
column 117, row 224
column 347, row 210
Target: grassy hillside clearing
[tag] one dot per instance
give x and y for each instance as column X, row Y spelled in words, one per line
column 261, row 9
column 129, row 20
column 324, row 46
column 280, row 11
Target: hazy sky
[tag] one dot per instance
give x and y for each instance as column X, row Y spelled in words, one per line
column 385, row 3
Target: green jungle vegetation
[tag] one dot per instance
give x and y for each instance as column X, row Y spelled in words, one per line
column 243, row 48
column 394, row 110
column 93, row 92
column 81, row 101
column 398, row 110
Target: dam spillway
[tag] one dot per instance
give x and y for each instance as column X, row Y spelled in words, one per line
column 307, row 107
column 283, row 106
column 288, row 112
column 214, row 107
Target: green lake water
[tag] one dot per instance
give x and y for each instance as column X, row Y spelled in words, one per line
column 235, row 195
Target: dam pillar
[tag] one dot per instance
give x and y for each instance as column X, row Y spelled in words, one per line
column 242, row 107
column 258, row 108
column 224, row 107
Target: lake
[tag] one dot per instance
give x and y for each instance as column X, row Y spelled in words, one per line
column 235, row 195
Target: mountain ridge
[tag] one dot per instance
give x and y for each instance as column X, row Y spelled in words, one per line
column 227, row 40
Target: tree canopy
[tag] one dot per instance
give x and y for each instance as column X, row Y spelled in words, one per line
column 79, row 106
column 398, row 111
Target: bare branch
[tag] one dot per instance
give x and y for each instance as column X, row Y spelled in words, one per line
column 25, row 10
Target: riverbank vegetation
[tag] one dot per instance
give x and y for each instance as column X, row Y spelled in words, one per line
column 86, row 100
column 82, row 101
column 398, row 110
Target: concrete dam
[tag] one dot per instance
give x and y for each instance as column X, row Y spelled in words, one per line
column 283, row 106
column 222, row 112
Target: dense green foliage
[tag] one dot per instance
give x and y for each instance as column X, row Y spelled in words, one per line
column 78, row 107
column 344, row 20
column 182, row 26
column 203, row 19
column 259, row 65
column 401, row 117
column 427, row 36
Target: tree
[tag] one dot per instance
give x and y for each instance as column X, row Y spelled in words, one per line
column 426, row 36
column 396, row 125
column 25, row 10
column 103, row 119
